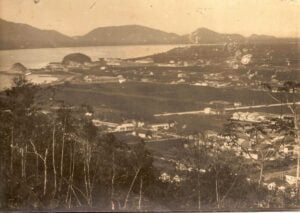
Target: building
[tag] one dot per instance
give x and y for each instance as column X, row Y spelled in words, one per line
column 145, row 61
column 209, row 111
column 237, row 104
column 143, row 133
column 56, row 66
column 99, row 123
column 250, row 155
column 125, row 127
column 113, row 61
column 161, row 126
column 250, row 117
column 291, row 178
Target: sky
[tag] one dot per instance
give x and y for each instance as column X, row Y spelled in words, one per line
column 77, row 17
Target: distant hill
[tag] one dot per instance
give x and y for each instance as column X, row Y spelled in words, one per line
column 18, row 36
column 128, row 34
column 207, row 36
column 262, row 38
column 277, row 54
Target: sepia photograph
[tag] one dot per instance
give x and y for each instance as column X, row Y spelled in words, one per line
column 149, row 105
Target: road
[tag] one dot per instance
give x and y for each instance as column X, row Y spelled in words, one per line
column 180, row 113
column 260, row 106
column 227, row 109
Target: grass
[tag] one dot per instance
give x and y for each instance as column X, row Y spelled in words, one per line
column 140, row 101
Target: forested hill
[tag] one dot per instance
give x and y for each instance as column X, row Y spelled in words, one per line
column 22, row 36
column 128, row 34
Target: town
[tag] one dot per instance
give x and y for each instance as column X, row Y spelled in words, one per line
column 242, row 69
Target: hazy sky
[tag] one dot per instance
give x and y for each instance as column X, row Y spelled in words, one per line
column 77, row 17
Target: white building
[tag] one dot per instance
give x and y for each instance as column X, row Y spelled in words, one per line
column 161, row 126
column 145, row 61
column 125, row 127
column 291, row 179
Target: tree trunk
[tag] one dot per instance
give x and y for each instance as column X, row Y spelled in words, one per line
column 25, row 160
column 37, row 168
column 22, row 162
column 12, row 150
column 44, row 159
column 141, row 192
column 199, row 192
column 113, row 183
column 89, row 174
column 70, row 175
column 45, row 171
column 131, row 186
column 62, row 157
column 217, row 194
column 297, row 135
column 53, row 161
column 198, row 174
column 86, row 169
column 261, row 173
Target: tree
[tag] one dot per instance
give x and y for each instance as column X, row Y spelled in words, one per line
column 289, row 91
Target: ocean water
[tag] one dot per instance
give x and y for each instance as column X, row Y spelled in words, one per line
column 38, row 58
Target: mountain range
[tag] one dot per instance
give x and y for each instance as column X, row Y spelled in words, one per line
column 22, row 36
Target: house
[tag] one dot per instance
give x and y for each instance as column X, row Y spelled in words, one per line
column 209, row 111
column 87, row 79
column 237, row 104
column 203, row 84
column 145, row 61
column 250, row 117
column 291, row 178
column 287, row 149
column 165, row 177
column 161, row 126
column 89, row 114
column 113, row 61
column 250, row 155
column 122, row 80
column 140, row 124
column 145, row 80
column 125, row 127
column 56, row 66
column 142, row 133
column 246, row 59
column 211, row 134
column 181, row 81
column 98, row 123
column 181, row 75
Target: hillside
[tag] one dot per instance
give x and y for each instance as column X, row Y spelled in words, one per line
column 22, row 36
column 207, row 36
column 278, row 54
column 128, row 34
column 19, row 36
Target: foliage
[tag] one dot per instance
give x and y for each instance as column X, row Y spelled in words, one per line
column 58, row 159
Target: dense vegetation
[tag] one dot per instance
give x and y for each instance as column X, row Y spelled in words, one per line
column 59, row 160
